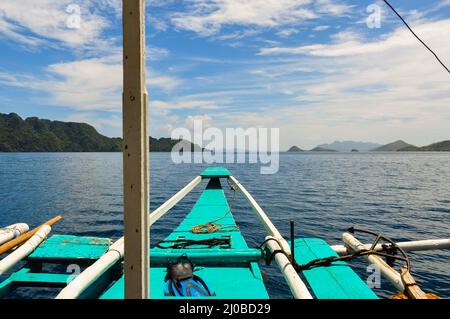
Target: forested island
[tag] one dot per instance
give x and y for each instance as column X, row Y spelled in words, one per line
column 39, row 135
column 397, row 146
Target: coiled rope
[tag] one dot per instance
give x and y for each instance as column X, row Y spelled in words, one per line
column 213, row 226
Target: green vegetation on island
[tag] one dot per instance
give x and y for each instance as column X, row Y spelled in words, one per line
column 350, row 146
column 397, row 146
column 294, row 149
column 40, row 135
column 401, row 146
column 436, row 147
column 393, row 147
column 322, row 149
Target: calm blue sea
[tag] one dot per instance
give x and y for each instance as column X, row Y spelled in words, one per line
column 406, row 196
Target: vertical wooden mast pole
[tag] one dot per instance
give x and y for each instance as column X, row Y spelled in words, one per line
column 135, row 152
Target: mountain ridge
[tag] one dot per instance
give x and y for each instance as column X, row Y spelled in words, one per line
column 41, row 135
column 397, row 146
column 393, row 147
column 294, row 149
column 348, row 146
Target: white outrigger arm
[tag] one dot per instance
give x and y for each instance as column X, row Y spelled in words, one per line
column 116, row 251
column 416, row 245
column 13, row 231
column 295, row 283
column 298, row 288
column 402, row 280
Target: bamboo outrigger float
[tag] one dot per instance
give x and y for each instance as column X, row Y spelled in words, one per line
column 12, row 231
column 211, row 239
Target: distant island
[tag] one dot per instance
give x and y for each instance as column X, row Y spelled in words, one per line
column 443, row 146
column 348, row 146
column 295, row 149
column 322, row 149
column 401, row 146
column 397, row 146
column 40, row 135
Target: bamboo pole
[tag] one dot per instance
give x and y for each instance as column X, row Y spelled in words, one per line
column 115, row 252
column 386, row 271
column 175, row 199
column 296, row 285
column 26, row 249
column 412, row 289
column 23, row 238
column 88, row 277
column 13, row 231
column 262, row 216
column 135, row 152
column 417, row 245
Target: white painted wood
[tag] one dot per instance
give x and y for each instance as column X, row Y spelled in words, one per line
column 116, row 252
column 88, row 277
column 262, row 216
column 386, row 271
column 171, row 202
column 296, row 285
column 26, row 249
column 13, row 231
column 417, row 245
column 135, row 152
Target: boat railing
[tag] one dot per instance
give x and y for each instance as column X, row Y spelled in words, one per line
column 274, row 243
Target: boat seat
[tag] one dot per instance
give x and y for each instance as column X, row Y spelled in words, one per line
column 215, row 172
column 70, row 248
column 337, row 281
column 60, row 249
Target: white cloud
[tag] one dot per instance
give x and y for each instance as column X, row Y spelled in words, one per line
column 205, row 119
column 288, row 32
column 321, row 28
column 110, row 125
column 207, row 17
column 85, row 84
column 164, row 82
column 185, row 104
column 377, row 91
column 155, row 53
column 442, row 4
column 88, row 84
column 332, row 7
column 34, row 23
column 349, row 43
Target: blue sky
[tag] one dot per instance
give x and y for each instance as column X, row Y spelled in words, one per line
column 309, row 67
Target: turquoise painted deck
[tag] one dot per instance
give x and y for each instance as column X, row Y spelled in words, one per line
column 64, row 247
column 60, row 249
column 215, row 172
column 203, row 256
column 230, row 273
column 337, row 281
